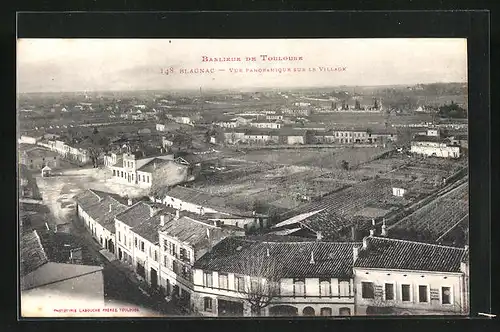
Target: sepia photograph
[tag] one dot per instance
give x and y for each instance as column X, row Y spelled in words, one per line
column 208, row 178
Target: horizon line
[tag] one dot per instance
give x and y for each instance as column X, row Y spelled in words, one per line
column 241, row 88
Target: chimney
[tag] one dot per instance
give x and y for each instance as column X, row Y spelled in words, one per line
column 372, row 232
column 202, row 210
column 177, row 214
column 312, row 258
column 373, row 222
column 365, row 242
column 319, row 236
column 208, row 234
column 267, row 252
column 162, row 220
column 151, row 211
column 355, row 253
column 129, row 202
column 110, row 207
column 384, row 228
column 353, row 233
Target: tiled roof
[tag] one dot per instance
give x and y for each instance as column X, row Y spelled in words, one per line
column 87, row 198
column 101, row 213
column 423, row 138
column 289, row 258
column 32, row 253
column 149, row 228
column 137, row 213
column 40, row 152
column 188, row 230
column 151, row 165
column 385, row 253
column 56, row 272
column 202, row 199
column 326, row 221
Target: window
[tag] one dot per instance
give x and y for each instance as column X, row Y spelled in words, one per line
column 207, row 304
column 326, row 311
column 207, row 279
column 119, row 237
column 299, row 287
column 389, row 292
column 125, row 240
column 143, row 178
column 344, row 311
column 223, row 282
column 367, row 290
column 135, row 242
column 173, row 250
column 422, row 294
column 239, row 283
column 156, row 256
column 165, row 261
column 405, row 293
column 344, row 287
column 55, row 158
column 445, row 295
column 184, row 256
column 324, row 288
column 147, row 179
column 165, row 245
column 142, row 246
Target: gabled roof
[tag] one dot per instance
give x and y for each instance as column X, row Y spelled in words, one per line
column 288, row 258
column 87, row 198
column 137, row 213
column 32, row 253
column 149, row 228
column 191, row 231
column 105, row 211
column 395, row 254
column 51, row 273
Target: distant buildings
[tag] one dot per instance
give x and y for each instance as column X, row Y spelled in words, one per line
column 38, row 157
column 79, row 155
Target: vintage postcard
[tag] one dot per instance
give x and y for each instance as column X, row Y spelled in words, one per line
column 243, row 177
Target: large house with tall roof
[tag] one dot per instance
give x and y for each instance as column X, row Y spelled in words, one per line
column 310, row 278
column 403, row 277
column 135, row 170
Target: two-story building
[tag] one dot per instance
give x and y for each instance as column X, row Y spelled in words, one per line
column 275, row 276
column 132, row 170
column 37, row 158
column 395, row 276
column 183, row 240
column 124, row 224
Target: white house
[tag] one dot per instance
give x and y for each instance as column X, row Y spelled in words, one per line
column 410, row 278
column 399, row 191
column 434, row 146
column 289, row 276
column 143, row 172
column 97, row 210
column 266, row 125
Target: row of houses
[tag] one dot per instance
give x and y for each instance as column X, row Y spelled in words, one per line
column 308, row 136
column 205, row 259
column 79, row 155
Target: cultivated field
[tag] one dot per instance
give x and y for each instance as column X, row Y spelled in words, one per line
column 438, row 217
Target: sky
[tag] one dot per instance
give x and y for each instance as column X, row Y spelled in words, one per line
column 65, row 65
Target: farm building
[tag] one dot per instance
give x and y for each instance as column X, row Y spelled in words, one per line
column 38, row 158
column 434, row 147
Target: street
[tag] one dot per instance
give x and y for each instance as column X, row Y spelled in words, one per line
column 119, row 289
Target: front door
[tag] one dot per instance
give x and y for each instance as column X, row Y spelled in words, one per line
column 154, row 278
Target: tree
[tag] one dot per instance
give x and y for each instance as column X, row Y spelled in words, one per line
column 264, row 280
column 344, row 165
column 357, row 105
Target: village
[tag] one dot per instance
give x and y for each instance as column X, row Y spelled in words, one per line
column 285, row 203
